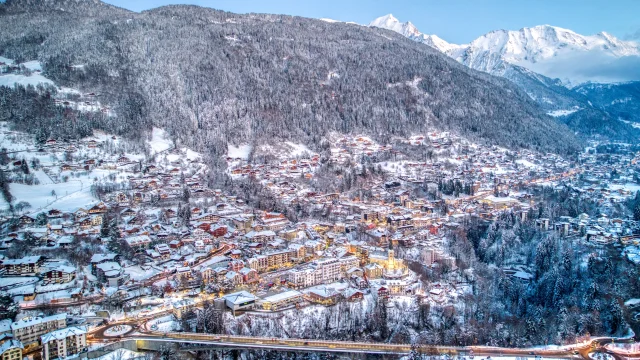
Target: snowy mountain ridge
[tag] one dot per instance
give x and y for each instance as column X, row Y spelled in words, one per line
column 409, row 30
column 549, row 50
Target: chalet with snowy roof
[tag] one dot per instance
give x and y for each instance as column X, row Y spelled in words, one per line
column 54, row 213
column 163, row 249
column 139, row 242
column 67, row 167
column 324, row 295
column 353, row 295
column 26, row 220
column 121, row 198
column 97, row 259
column 249, row 276
column 218, row 230
column 111, row 274
column 128, row 212
column 85, row 223
column 151, row 169
column 99, row 208
column 123, row 160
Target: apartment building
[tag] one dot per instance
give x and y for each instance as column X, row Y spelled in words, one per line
column 319, row 272
column 62, row 343
column 274, row 260
column 26, row 266
column 29, row 330
column 11, row 350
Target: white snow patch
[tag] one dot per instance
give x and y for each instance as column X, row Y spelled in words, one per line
column 239, row 152
column 298, row 149
column 33, row 65
column 558, row 113
column 159, row 140
column 632, row 302
column 526, row 163
column 633, row 124
column 6, row 60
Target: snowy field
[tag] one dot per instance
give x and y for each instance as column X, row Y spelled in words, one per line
column 63, row 196
column 526, row 163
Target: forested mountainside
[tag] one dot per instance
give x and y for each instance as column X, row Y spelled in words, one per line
column 620, row 100
column 211, row 77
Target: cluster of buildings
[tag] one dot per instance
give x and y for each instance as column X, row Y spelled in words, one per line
column 188, row 239
column 48, row 335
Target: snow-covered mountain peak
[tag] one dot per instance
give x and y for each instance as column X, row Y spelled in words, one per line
column 389, row 22
column 409, row 30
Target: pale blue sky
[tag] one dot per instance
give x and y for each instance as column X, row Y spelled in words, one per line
column 456, row 21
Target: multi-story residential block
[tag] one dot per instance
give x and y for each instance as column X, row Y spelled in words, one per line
column 62, row 343
column 330, row 269
column 274, row 260
column 26, row 266
column 11, row 350
column 58, row 274
column 29, row 330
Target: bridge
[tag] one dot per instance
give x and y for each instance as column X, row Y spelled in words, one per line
column 142, row 338
column 155, row 340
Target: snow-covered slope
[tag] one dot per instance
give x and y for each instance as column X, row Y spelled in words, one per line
column 548, row 50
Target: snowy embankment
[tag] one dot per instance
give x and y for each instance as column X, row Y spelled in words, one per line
column 123, row 354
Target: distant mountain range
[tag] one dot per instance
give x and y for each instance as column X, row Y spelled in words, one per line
column 568, row 74
column 548, row 50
